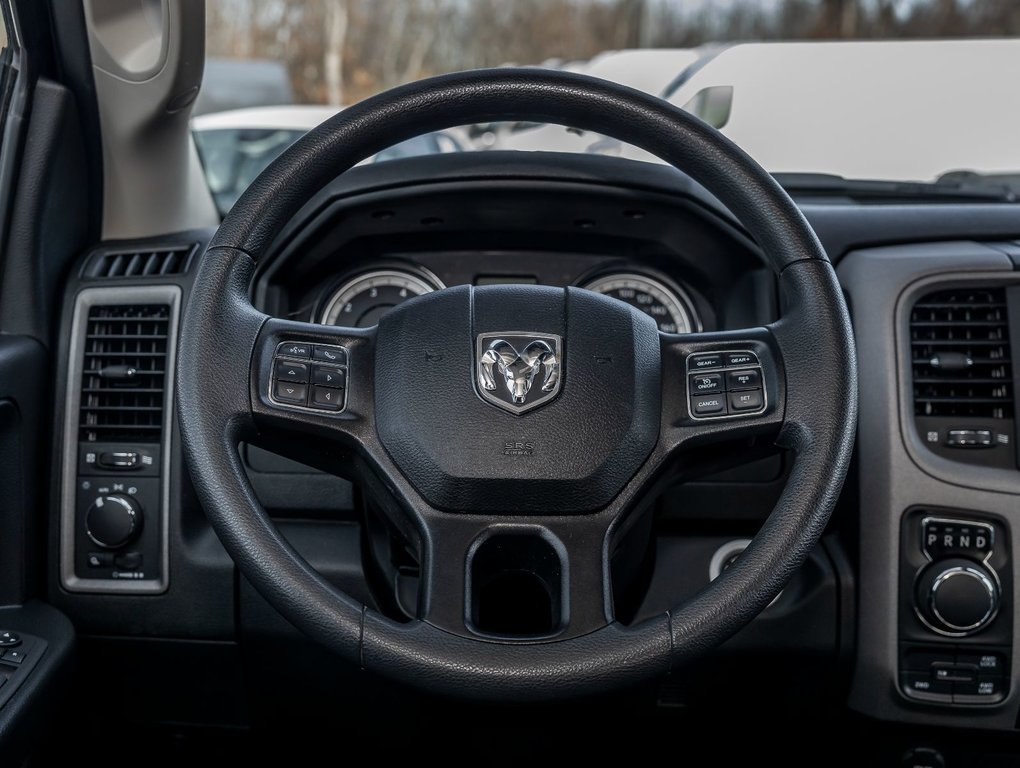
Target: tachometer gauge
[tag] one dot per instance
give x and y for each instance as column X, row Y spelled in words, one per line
column 669, row 306
column 363, row 300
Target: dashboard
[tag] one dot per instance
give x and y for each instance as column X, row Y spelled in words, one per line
column 646, row 235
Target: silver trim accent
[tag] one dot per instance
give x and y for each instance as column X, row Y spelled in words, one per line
column 990, row 588
column 722, row 369
column 84, row 301
column 985, row 562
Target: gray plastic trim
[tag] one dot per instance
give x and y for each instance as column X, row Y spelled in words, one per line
column 876, row 281
column 148, row 57
column 84, row 301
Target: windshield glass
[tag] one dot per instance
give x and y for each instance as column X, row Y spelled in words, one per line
column 846, row 92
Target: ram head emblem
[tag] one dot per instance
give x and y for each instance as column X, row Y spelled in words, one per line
column 509, row 364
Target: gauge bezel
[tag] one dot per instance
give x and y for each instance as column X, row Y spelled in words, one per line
column 677, row 296
column 422, row 277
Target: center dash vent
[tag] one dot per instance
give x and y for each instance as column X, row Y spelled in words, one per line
column 140, row 262
column 124, row 373
column 960, row 354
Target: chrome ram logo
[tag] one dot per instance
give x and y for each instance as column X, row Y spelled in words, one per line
column 509, row 367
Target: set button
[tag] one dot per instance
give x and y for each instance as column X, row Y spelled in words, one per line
column 725, row 384
column 299, row 378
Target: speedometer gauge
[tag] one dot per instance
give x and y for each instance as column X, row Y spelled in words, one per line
column 363, row 300
column 668, row 306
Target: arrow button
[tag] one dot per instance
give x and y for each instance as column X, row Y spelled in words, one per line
column 290, row 392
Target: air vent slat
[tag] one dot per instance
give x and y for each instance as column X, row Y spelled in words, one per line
column 146, row 262
column 122, row 390
column 960, row 354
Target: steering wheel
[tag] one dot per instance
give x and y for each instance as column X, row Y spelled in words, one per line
column 512, row 433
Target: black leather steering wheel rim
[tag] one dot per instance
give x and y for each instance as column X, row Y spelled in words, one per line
column 216, row 394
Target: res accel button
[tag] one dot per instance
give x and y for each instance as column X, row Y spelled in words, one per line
column 736, row 380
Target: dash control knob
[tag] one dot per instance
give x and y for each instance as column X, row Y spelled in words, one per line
column 957, row 596
column 113, row 520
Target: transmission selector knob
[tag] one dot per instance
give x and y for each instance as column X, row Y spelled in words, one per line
column 957, row 596
column 113, row 520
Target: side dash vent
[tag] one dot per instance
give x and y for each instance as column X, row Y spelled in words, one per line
column 124, row 374
column 141, row 262
column 962, row 375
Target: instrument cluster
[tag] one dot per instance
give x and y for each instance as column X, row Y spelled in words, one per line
column 361, row 298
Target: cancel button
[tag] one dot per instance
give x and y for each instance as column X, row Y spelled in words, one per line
column 702, row 405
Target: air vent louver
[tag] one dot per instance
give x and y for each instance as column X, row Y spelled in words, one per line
column 960, row 354
column 124, row 374
column 143, row 262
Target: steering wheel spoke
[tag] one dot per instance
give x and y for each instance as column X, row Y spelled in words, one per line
column 518, row 579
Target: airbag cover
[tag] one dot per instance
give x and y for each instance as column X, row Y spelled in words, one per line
column 572, row 453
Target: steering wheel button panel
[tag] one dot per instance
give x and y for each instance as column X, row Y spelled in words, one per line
column 291, row 377
column 719, row 391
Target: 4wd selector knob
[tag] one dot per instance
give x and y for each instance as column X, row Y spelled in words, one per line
column 957, row 596
column 113, row 520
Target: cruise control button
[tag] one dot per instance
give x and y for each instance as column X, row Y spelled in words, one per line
column 288, row 371
column 743, row 380
column 700, row 362
column 706, row 383
column 745, row 401
column 330, row 355
column 294, row 349
column 330, row 399
column 329, row 376
column 741, row 358
column 288, row 392
column 704, row 405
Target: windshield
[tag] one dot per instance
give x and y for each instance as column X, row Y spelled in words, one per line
column 804, row 86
